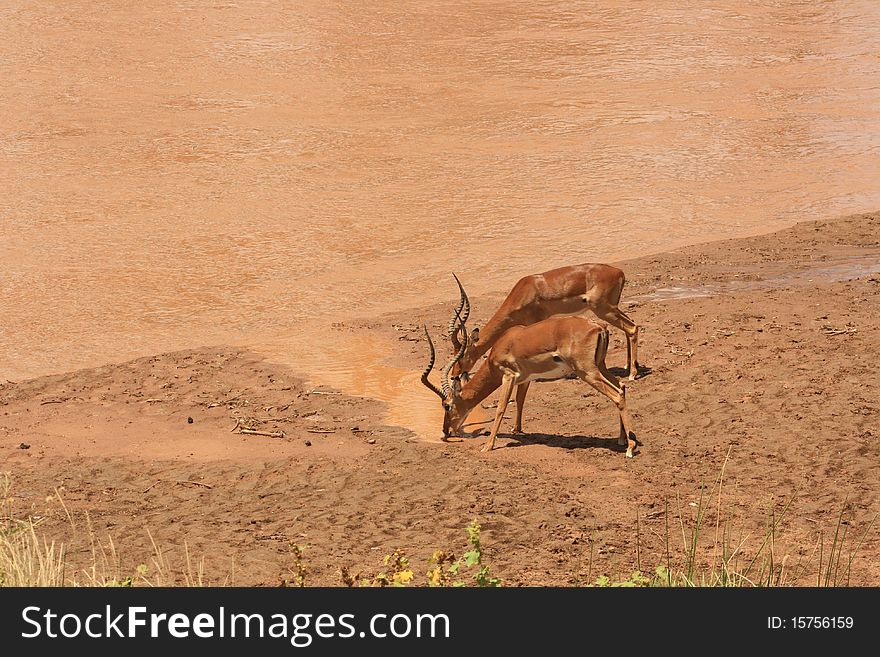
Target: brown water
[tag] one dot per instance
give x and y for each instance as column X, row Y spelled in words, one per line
column 177, row 174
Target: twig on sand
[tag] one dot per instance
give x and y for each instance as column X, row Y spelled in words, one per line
column 322, row 392
column 254, row 432
column 179, row 481
column 151, row 486
column 321, row 430
column 53, row 401
column 830, row 330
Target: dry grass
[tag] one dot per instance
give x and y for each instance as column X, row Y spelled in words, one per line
column 28, row 559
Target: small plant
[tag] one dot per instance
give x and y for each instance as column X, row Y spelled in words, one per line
column 637, row 579
column 298, row 569
column 446, row 570
column 399, row 574
column 443, row 567
column 129, row 581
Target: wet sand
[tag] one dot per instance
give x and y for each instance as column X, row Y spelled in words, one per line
column 764, row 368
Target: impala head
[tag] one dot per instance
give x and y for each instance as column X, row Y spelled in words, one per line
column 454, row 411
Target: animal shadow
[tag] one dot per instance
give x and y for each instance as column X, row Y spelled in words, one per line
column 567, row 442
column 641, row 372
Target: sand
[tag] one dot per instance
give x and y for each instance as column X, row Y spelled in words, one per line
column 768, row 378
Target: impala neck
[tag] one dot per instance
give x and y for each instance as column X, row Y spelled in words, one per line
column 489, row 335
column 481, row 385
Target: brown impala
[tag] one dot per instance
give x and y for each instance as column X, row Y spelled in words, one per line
column 552, row 349
column 568, row 290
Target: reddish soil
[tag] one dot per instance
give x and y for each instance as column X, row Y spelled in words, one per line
column 773, row 375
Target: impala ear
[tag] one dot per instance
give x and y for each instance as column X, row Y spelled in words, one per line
column 475, row 335
column 456, row 386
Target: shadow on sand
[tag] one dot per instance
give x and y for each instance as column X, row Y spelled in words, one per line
column 620, row 372
column 565, row 442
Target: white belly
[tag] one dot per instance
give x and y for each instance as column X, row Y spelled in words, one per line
column 555, row 372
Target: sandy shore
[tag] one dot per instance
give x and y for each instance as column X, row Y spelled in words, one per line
column 761, row 357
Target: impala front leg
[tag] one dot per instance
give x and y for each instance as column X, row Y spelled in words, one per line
column 506, row 390
column 626, row 435
column 521, row 391
column 632, row 354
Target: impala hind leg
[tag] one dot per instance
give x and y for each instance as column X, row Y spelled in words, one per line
column 621, row 320
column 617, row 394
column 521, row 391
column 506, row 390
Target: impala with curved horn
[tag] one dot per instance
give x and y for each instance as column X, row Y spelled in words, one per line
column 568, row 290
column 549, row 350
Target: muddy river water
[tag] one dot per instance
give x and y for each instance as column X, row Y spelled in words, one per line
column 184, row 173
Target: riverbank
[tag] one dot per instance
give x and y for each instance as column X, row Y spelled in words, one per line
column 760, row 352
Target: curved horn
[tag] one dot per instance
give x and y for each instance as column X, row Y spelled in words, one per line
column 430, row 386
column 461, row 315
column 452, row 325
column 445, row 376
column 464, row 298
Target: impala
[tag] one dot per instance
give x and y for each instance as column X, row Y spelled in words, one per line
column 552, row 349
column 568, row 290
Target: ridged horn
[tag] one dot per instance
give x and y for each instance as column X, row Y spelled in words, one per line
column 446, row 385
column 430, row 386
column 460, row 316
